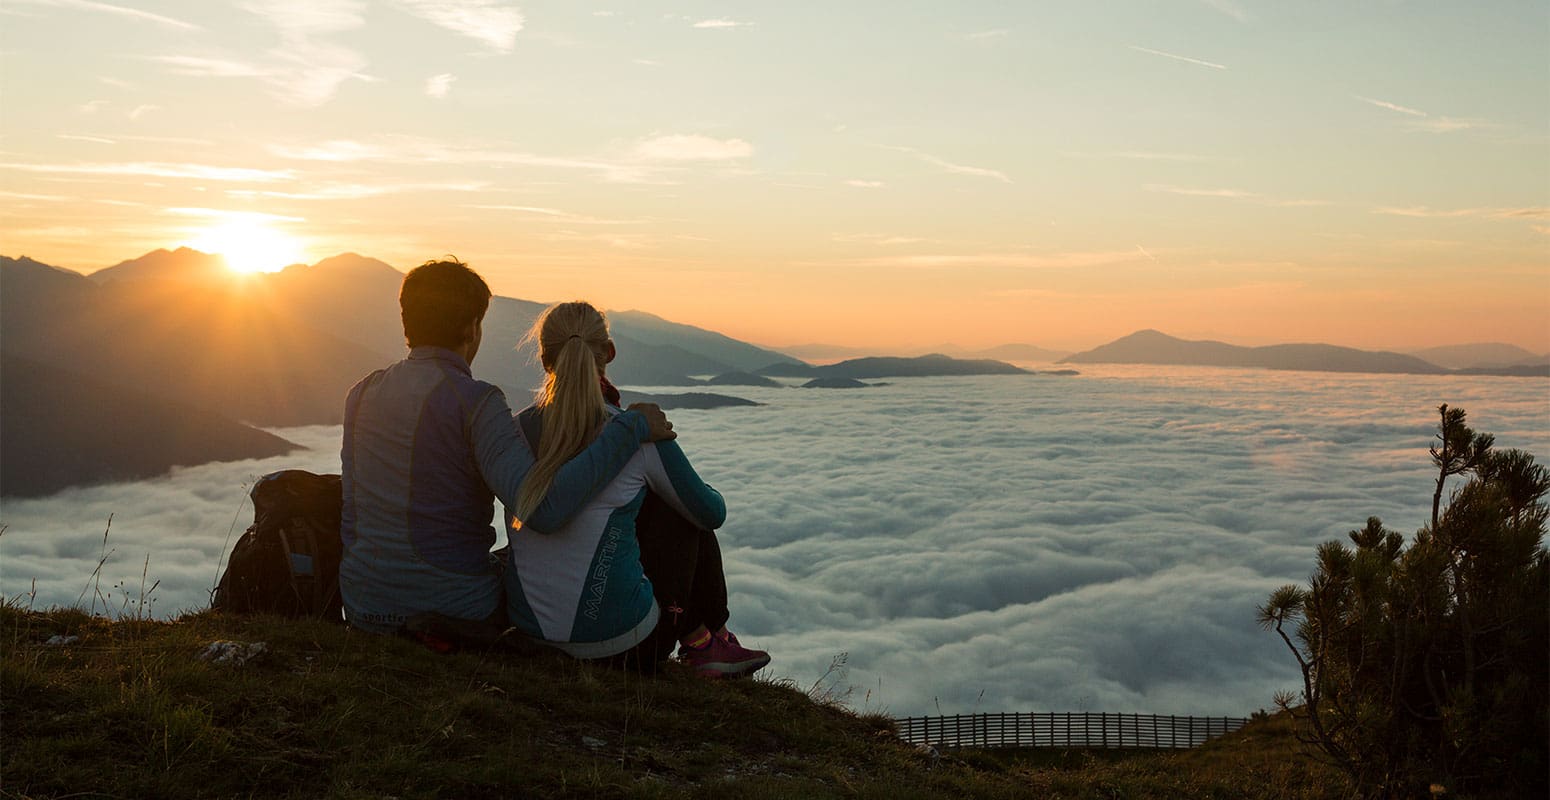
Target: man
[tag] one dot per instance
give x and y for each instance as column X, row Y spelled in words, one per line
column 427, row 449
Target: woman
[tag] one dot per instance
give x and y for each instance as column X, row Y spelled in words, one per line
column 582, row 587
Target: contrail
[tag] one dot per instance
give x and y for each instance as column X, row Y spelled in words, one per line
column 1178, row 57
column 1391, row 106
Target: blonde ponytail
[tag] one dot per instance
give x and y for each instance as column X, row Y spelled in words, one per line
column 572, row 346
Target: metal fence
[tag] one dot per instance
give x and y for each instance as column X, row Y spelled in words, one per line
column 1065, row 729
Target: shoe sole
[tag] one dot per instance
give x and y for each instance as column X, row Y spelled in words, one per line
column 730, row 669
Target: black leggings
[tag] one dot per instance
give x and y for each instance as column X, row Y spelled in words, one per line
column 683, row 562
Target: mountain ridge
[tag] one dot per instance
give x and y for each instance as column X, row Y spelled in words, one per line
column 931, row 364
column 1150, row 346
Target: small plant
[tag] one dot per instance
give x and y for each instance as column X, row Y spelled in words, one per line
column 831, row 688
column 1428, row 665
column 94, row 581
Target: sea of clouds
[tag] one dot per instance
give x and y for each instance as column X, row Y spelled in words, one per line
column 1009, row 543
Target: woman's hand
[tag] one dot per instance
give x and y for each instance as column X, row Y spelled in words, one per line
column 661, row 429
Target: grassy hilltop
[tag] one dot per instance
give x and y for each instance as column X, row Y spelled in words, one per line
column 129, row 710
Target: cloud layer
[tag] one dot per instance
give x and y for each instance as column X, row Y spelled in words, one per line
column 1008, row 543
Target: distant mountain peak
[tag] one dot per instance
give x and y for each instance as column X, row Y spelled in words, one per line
column 184, row 263
column 1154, row 347
column 1479, row 355
column 353, row 261
column 1149, row 334
column 27, row 262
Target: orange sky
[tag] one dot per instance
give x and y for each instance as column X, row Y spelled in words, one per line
column 971, row 173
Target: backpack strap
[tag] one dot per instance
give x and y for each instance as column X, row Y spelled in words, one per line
column 322, row 590
column 289, row 554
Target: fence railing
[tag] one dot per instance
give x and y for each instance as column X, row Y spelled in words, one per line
column 1065, row 729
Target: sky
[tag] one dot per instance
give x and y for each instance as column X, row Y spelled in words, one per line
column 1003, row 543
column 864, row 173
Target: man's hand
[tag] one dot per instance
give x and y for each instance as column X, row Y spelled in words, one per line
column 661, row 429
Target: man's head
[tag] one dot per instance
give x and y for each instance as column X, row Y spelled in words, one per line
column 443, row 304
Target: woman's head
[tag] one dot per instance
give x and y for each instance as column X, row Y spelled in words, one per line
column 574, row 348
column 576, row 325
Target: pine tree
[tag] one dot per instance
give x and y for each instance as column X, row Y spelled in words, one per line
column 1427, row 666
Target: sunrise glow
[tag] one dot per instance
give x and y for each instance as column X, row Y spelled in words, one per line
column 249, row 246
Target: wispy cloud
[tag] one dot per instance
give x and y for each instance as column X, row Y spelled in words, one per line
column 166, row 139
column 1177, row 57
column 143, row 109
column 721, row 23
column 36, row 197
column 558, row 216
column 411, row 150
column 438, row 85
column 995, row 33
column 344, row 150
column 1525, row 212
column 74, row 137
column 865, row 184
column 489, row 21
column 958, row 169
column 1142, row 155
column 618, row 241
column 1447, row 124
column 644, row 161
column 307, row 68
column 91, row 106
column 1391, row 106
column 692, row 147
column 360, row 191
column 107, row 8
column 1425, row 122
column 880, row 239
column 207, row 67
column 1232, row 194
column 1230, row 8
column 153, row 169
column 1004, row 260
column 228, row 214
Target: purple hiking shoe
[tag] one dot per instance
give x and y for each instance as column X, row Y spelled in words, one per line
column 723, row 658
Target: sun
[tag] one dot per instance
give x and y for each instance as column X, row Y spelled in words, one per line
column 249, row 246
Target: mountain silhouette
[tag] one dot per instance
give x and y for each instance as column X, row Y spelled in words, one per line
column 742, row 379
column 164, row 326
column 177, row 329
column 63, row 429
column 1155, row 347
column 1016, row 352
column 1481, row 355
column 181, row 265
column 1004, row 352
column 934, row 364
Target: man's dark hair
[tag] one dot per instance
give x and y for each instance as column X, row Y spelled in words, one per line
column 439, row 300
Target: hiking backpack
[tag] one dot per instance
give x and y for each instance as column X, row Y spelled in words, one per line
column 287, row 561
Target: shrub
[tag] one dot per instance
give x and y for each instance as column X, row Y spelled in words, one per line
column 1426, row 667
